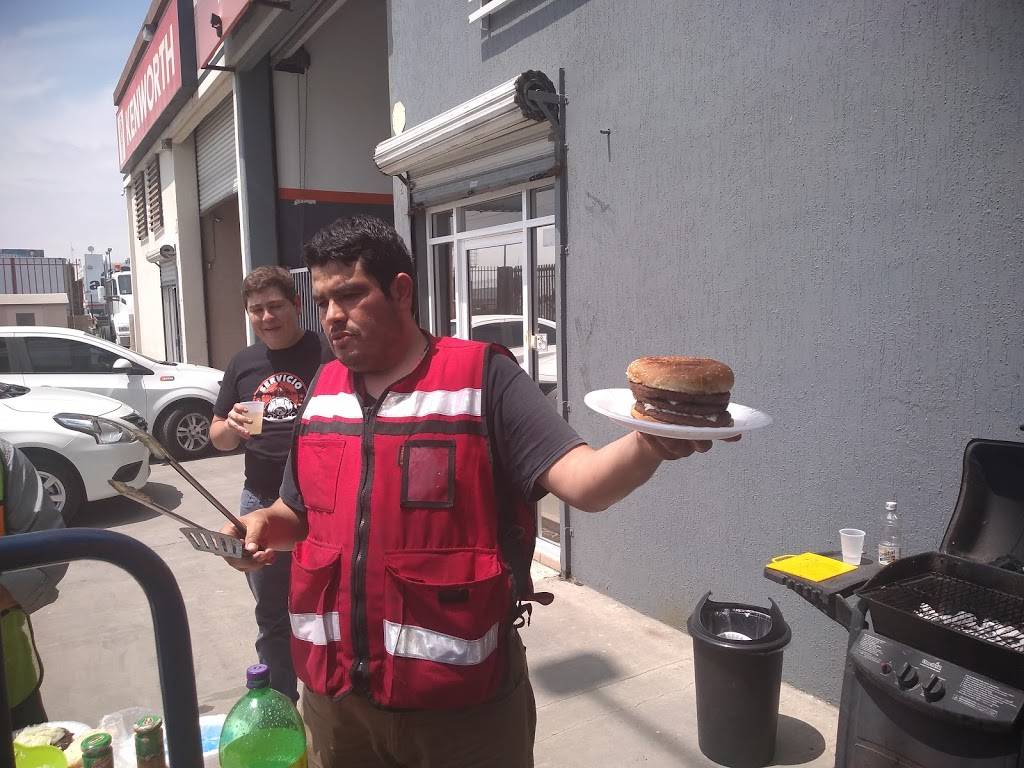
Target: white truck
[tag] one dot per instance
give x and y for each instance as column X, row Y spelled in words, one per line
column 121, row 306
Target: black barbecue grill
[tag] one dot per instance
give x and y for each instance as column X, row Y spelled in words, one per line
column 935, row 668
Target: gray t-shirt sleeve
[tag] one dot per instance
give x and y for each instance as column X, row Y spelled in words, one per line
column 527, row 433
column 290, row 485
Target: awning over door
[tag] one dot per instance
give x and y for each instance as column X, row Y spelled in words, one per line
column 215, row 155
column 501, row 137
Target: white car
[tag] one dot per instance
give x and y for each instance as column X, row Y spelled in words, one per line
column 176, row 399
column 74, row 454
column 507, row 330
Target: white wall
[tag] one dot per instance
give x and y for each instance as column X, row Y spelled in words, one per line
column 345, row 91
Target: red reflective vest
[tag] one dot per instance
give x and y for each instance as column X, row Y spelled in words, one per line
column 407, row 585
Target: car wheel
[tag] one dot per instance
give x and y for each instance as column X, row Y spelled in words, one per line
column 185, row 433
column 60, row 481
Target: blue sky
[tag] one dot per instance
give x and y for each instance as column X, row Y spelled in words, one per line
column 60, row 188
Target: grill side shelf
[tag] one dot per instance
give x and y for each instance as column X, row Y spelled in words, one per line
column 828, row 596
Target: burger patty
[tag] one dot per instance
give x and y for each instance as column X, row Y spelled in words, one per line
column 641, row 392
column 721, row 418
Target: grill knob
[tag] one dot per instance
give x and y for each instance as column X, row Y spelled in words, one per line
column 934, row 689
column 886, row 667
column 907, row 677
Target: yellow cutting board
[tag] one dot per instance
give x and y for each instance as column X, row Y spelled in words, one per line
column 810, row 566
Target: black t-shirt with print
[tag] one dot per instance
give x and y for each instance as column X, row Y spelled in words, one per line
column 280, row 378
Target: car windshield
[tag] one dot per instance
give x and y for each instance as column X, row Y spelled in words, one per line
column 12, row 390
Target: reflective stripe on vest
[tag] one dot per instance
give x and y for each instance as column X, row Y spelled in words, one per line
column 420, row 643
column 398, row 405
column 318, row 629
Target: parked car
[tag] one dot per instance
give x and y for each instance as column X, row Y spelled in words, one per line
column 507, row 330
column 176, row 399
column 74, row 454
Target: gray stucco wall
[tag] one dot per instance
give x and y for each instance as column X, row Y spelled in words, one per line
column 826, row 196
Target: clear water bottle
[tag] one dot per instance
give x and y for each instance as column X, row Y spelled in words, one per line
column 263, row 730
column 889, row 545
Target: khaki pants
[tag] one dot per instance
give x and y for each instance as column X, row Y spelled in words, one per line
column 352, row 733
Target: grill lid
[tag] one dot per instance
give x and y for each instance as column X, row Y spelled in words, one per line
column 988, row 521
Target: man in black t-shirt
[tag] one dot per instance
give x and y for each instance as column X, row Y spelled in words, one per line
column 277, row 371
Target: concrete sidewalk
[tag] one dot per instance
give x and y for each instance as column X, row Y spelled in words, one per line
column 613, row 687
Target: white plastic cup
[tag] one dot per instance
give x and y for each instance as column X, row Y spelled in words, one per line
column 852, row 540
column 254, row 410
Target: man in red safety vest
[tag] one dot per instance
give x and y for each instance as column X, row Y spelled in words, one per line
column 409, row 499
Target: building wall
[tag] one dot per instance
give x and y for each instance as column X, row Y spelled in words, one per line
column 48, row 309
column 222, row 282
column 825, row 196
column 327, row 123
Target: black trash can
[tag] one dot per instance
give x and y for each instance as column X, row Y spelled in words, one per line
column 737, row 660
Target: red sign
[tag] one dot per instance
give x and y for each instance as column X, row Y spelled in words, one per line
column 156, row 80
column 214, row 20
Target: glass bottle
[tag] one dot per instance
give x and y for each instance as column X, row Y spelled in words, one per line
column 149, row 742
column 889, row 545
column 262, row 730
column 97, row 751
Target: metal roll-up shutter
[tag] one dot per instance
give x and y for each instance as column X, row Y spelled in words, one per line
column 497, row 139
column 215, row 155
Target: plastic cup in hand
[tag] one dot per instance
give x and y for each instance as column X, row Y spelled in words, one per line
column 254, row 410
column 852, row 540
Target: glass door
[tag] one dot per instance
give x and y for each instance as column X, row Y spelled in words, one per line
column 491, row 277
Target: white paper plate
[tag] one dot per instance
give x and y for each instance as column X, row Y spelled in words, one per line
column 616, row 404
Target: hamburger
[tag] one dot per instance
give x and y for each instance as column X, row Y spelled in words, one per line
column 672, row 389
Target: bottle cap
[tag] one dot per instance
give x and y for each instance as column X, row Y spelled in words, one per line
column 257, row 676
column 890, row 506
column 147, row 724
column 96, row 745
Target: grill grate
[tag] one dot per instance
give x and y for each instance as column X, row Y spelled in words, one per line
column 961, row 605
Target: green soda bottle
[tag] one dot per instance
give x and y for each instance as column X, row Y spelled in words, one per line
column 263, row 730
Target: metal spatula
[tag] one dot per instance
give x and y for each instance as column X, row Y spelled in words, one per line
column 201, row 538
column 160, row 452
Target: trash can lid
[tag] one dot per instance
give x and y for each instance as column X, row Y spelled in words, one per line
column 738, row 626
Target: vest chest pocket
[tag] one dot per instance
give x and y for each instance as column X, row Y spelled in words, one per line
column 319, row 462
column 428, row 474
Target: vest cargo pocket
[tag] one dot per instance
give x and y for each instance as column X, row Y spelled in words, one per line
column 314, row 616
column 318, row 464
column 445, row 627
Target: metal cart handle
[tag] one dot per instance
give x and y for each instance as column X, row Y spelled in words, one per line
column 170, row 625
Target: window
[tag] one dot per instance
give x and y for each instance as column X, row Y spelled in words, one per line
column 5, row 357
column 124, row 285
column 46, row 355
column 24, row 318
column 154, row 201
column 491, row 213
column 139, row 204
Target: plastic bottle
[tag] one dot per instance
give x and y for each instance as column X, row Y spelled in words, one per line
column 889, row 545
column 263, row 729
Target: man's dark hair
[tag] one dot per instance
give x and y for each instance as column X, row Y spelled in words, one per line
column 264, row 278
column 365, row 239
